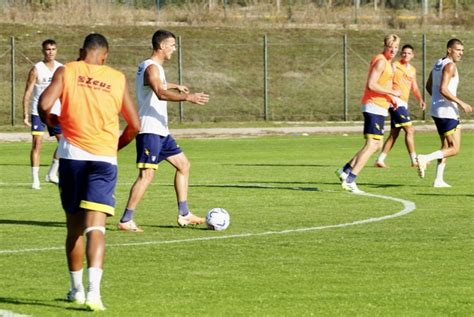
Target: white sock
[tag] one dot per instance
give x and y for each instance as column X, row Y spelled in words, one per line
column 413, row 157
column 438, row 155
column 381, row 157
column 94, row 276
column 53, row 169
column 35, row 174
column 440, row 171
column 76, row 280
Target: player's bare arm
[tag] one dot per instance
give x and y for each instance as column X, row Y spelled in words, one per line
column 374, row 76
column 449, row 72
column 152, row 78
column 30, row 84
column 130, row 114
column 49, row 96
column 180, row 88
column 429, row 84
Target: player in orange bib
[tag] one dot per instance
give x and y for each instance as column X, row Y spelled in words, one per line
column 378, row 96
column 404, row 80
column 92, row 96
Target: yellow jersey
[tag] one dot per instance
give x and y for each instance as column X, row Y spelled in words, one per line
column 91, row 101
column 385, row 80
column 403, row 79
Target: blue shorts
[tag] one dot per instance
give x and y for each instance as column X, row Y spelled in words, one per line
column 446, row 126
column 373, row 126
column 38, row 127
column 87, row 185
column 399, row 117
column 154, row 148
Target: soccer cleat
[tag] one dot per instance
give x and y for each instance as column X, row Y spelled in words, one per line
column 380, row 164
column 341, row 174
column 36, row 185
column 351, row 187
column 130, row 226
column 189, row 219
column 52, row 179
column 422, row 163
column 94, row 303
column 440, row 184
column 75, row 296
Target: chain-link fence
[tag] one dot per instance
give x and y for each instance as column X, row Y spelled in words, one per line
column 277, row 78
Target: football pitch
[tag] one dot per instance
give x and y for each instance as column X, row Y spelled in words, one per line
column 298, row 245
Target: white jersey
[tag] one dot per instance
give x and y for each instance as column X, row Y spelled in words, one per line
column 153, row 112
column 44, row 76
column 440, row 107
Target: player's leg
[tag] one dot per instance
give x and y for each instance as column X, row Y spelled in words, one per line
column 181, row 185
column 72, row 185
column 52, row 175
column 373, row 133
column 387, row 147
column 410, row 143
column 37, row 131
column 148, row 147
column 139, row 187
column 450, row 145
column 75, row 255
column 99, row 202
column 450, row 134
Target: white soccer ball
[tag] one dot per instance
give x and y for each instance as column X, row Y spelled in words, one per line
column 217, row 219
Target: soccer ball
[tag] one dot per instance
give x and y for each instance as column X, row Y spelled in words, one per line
column 217, row 219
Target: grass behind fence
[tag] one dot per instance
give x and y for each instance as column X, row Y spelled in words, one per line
column 305, row 74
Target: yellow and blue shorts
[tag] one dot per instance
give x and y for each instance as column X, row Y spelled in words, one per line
column 38, row 127
column 399, row 117
column 154, row 148
column 446, row 126
column 373, row 126
column 87, row 185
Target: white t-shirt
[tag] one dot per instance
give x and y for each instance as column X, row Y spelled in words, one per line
column 440, row 107
column 153, row 112
column 43, row 79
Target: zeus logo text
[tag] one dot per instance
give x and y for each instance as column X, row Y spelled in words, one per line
column 93, row 83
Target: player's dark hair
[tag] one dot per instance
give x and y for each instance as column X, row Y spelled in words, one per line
column 48, row 42
column 453, row 42
column 159, row 37
column 95, row 41
column 408, row 46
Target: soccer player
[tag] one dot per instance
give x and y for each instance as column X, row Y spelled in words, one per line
column 39, row 78
column 92, row 96
column 404, row 80
column 154, row 142
column 442, row 85
column 378, row 95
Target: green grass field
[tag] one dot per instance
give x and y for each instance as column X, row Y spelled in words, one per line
column 293, row 247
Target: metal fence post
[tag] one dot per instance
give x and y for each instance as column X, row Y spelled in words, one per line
column 423, row 44
column 345, row 75
column 13, row 82
column 180, row 78
column 265, row 77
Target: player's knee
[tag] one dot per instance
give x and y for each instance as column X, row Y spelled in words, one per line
column 94, row 228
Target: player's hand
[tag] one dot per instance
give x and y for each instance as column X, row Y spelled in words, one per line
column 26, row 121
column 394, row 103
column 199, row 98
column 396, row 93
column 182, row 88
column 422, row 105
column 466, row 107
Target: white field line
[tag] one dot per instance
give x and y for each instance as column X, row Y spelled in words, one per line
column 408, row 206
column 9, row 313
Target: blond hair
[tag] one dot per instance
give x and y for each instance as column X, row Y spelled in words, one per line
column 391, row 39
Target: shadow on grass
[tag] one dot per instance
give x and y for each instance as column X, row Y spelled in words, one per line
column 43, row 303
column 283, row 165
column 445, row 195
column 256, row 186
column 32, row 223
